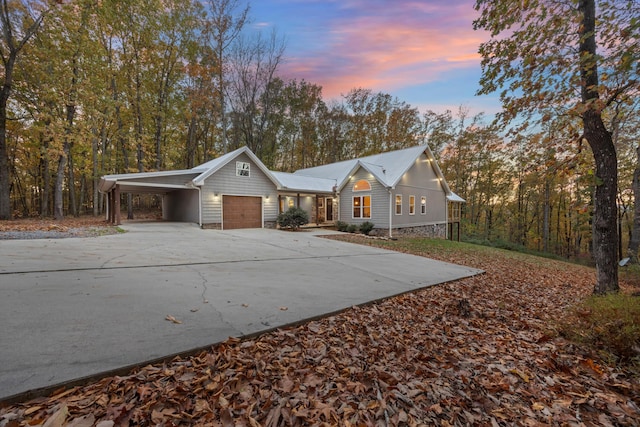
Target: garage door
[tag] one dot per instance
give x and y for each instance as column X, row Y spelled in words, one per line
column 241, row 212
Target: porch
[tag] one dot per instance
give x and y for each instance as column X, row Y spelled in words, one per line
column 322, row 208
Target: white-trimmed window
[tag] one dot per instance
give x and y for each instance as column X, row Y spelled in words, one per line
column 398, row 204
column 412, row 205
column 362, row 185
column 243, row 168
column 423, row 205
column 362, row 206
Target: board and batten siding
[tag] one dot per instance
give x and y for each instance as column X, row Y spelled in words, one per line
column 420, row 180
column 225, row 182
column 379, row 200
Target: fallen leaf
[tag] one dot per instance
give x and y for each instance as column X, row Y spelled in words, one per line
column 84, row 421
column 58, row 418
column 521, row 374
column 172, row 319
column 537, row 406
column 284, row 308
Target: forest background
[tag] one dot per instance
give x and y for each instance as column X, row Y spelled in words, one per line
column 116, row 86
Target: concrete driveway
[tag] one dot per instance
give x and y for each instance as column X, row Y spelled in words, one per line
column 77, row 307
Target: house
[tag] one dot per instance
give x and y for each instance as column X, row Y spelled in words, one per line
column 400, row 192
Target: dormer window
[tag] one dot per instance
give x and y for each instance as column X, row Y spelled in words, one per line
column 362, row 185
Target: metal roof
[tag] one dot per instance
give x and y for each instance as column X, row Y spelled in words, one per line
column 289, row 181
column 453, row 197
column 388, row 168
column 132, row 182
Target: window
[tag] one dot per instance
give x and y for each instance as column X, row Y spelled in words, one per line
column 412, row 205
column 362, row 185
column 423, row 205
column 243, row 168
column 362, row 206
column 398, row 204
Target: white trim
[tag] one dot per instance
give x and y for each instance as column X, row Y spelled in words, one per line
column 353, row 188
column 361, row 197
column 390, row 213
column 153, row 185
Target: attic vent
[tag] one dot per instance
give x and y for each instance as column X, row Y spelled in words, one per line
column 362, row 185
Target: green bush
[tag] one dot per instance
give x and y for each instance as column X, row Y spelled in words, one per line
column 293, row 219
column 609, row 325
column 352, row 228
column 366, row 227
column 341, row 226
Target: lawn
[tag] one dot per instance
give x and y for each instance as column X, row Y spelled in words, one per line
column 479, row 351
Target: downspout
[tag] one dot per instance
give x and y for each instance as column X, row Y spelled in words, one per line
column 446, row 218
column 199, row 206
column 390, row 212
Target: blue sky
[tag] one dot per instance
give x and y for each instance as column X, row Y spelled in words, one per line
column 425, row 52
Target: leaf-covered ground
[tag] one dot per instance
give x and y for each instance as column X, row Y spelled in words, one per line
column 480, row 351
column 48, row 228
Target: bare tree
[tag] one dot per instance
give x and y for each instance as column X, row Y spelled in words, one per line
column 226, row 21
column 255, row 62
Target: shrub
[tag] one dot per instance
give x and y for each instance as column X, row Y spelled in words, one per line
column 352, row 228
column 609, row 324
column 366, row 227
column 341, row 226
column 293, row 219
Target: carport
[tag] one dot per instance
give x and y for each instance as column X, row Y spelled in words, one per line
column 180, row 198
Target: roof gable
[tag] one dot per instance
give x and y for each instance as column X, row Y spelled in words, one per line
column 388, row 168
column 212, row 166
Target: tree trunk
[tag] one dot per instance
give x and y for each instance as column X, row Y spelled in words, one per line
column 46, row 178
column 94, row 174
column 5, row 172
column 605, row 233
column 634, row 242
column 73, row 203
column 546, row 215
column 58, row 202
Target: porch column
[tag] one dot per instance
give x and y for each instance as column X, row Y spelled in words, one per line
column 112, row 205
column 117, row 205
column 317, row 210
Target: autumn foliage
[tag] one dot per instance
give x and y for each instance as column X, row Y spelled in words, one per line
column 479, row 351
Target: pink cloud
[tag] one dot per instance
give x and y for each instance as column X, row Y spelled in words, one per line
column 389, row 45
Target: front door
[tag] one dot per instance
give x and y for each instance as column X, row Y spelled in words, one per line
column 328, row 203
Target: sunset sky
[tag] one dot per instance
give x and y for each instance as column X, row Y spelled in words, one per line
column 422, row 51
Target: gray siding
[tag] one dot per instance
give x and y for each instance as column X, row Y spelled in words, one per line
column 420, row 180
column 181, row 205
column 225, row 182
column 379, row 201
